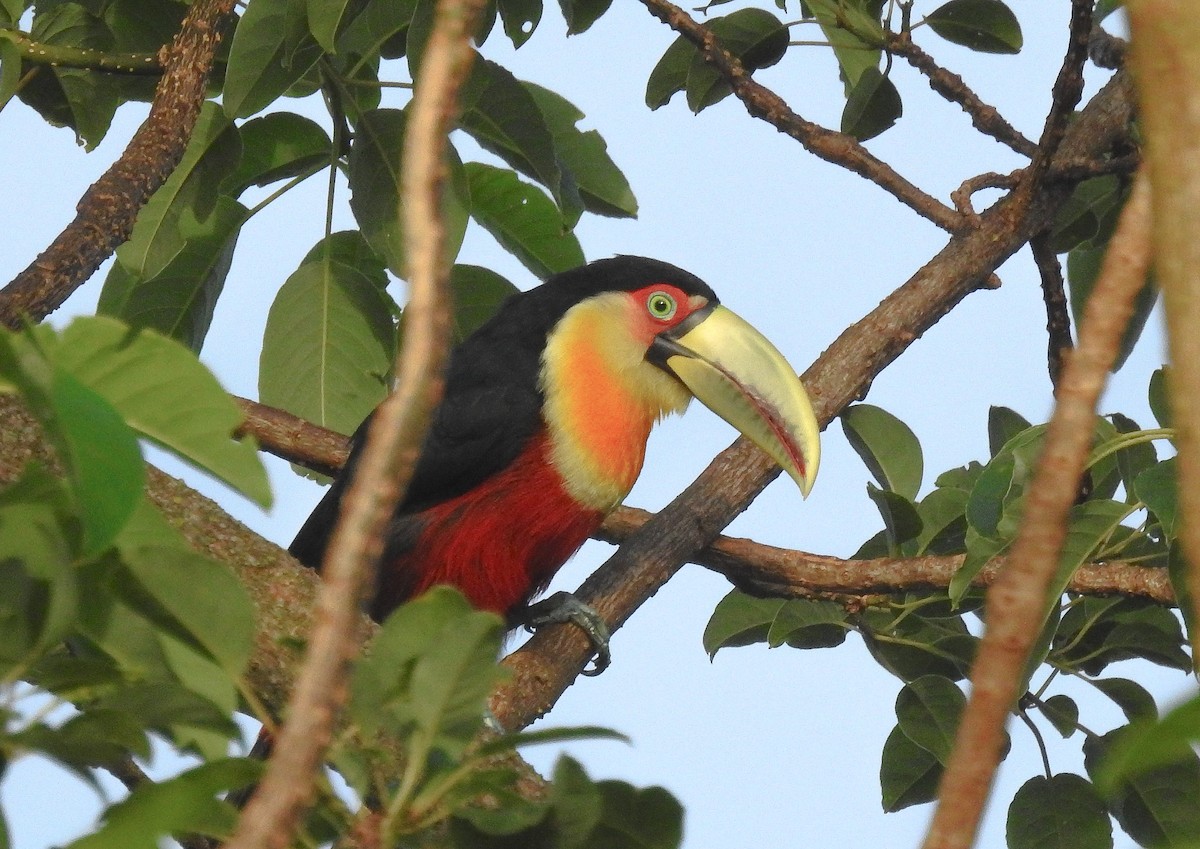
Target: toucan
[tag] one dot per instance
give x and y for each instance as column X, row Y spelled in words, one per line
column 543, row 425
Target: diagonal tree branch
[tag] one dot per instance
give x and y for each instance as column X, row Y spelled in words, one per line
column 838, row 148
column 106, row 212
column 1017, row 602
column 549, row 662
column 396, row 432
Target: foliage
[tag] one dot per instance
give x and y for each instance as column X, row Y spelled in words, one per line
column 97, row 650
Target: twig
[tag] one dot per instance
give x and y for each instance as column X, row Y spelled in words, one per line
column 292, row 438
column 1016, row 603
column 106, row 212
column 838, row 148
column 1165, row 58
column 389, row 457
column 1065, row 93
column 1058, row 318
column 984, row 117
column 549, row 662
column 962, row 196
column 62, row 56
column 1106, row 50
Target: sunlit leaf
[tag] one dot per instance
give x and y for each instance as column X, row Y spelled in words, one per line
column 272, row 49
column 889, row 448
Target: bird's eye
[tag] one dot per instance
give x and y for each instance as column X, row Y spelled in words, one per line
column 661, row 305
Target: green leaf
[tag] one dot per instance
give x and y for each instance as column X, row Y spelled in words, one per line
column 1083, row 269
column 1082, row 219
column 198, row 598
column 755, row 36
column 901, row 521
column 633, row 818
column 986, row 26
column 277, row 146
column 1097, row 632
column 908, row 774
column 501, row 114
column 581, row 14
column 739, row 620
column 39, row 541
column 1150, row 743
column 272, row 49
column 1179, row 570
column 179, row 299
column 992, row 491
column 1063, row 713
column 324, row 19
column 83, row 100
column 1156, row 487
column 980, row 550
column 1060, row 812
column 1160, row 402
column 1131, row 697
column 186, row 199
column 520, row 18
column 165, row 394
column 374, row 177
column 853, row 29
column 328, row 346
column 602, row 187
column 1134, row 459
column 928, row 711
column 808, row 624
column 1156, row 807
column 872, row 106
column 477, row 295
column 1003, row 425
column 186, row 804
column 670, row 74
column 380, row 28
column 943, row 522
column 911, row 646
column 887, row 446
column 522, row 219
column 104, row 463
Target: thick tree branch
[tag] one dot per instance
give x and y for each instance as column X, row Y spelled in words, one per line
column 838, row 148
column 106, row 212
column 1017, row 602
column 390, row 454
column 1165, row 55
column 548, row 663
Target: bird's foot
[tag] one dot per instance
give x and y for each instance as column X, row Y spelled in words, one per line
column 563, row 607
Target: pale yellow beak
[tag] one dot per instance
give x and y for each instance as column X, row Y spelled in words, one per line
column 737, row 373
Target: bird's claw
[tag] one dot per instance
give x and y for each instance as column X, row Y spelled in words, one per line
column 563, row 607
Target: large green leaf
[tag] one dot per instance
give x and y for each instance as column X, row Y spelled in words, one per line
column 1151, row 743
column 755, row 36
column 501, row 114
column 325, row 17
column 272, row 49
column 477, row 294
column 83, row 100
column 277, row 146
column 987, row 26
column 901, row 521
column 1063, row 811
column 1156, row 488
column 178, row 300
column 188, row 804
column 165, row 394
column 1090, row 213
column 602, row 187
column 379, row 29
column 522, row 219
column 104, row 463
column 187, row 198
column 887, row 445
column 374, row 176
column 328, row 346
column 872, row 105
column 855, row 33
column 581, row 14
column 521, row 18
column 928, row 711
column 908, row 774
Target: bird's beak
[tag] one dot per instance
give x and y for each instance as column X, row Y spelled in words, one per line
column 739, row 375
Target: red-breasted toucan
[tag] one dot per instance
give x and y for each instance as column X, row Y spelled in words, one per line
column 542, row 429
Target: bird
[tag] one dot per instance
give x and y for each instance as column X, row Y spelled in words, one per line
column 543, row 426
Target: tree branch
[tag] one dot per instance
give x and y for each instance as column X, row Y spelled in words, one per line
column 61, row 56
column 390, row 455
column 1017, row 602
column 1165, row 55
column 549, row 662
column 838, row 148
column 984, row 117
column 1058, row 318
column 108, row 209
